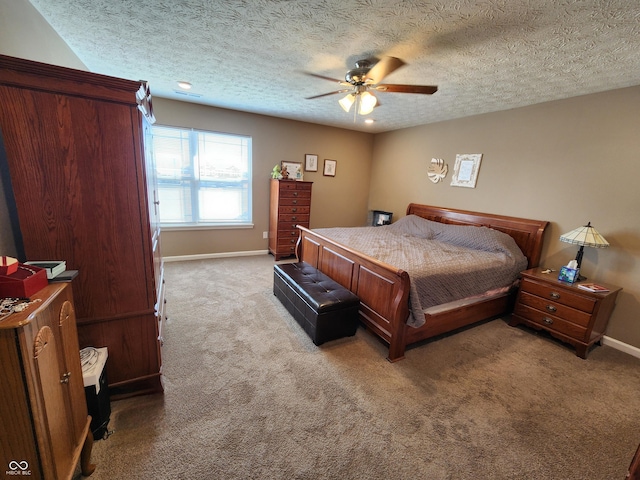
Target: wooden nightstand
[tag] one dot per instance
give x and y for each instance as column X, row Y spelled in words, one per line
column 569, row 313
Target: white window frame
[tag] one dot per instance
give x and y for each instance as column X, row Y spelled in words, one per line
column 189, row 184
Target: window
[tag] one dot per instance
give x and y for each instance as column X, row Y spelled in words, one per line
column 204, row 178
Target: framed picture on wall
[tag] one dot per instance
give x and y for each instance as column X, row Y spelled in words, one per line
column 329, row 168
column 465, row 171
column 311, row 162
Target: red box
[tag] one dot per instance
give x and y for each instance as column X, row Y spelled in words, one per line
column 8, row 265
column 26, row 281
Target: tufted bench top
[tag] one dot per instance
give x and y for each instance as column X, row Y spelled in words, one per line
column 319, row 291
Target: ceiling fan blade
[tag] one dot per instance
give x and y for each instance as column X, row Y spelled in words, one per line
column 383, row 68
column 330, row 93
column 394, row 87
column 341, row 82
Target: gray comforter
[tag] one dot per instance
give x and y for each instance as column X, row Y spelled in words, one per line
column 444, row 262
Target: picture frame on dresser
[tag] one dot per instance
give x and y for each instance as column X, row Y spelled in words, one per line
column 294, row 169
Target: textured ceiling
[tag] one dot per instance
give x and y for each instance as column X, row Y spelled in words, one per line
column 484, row 55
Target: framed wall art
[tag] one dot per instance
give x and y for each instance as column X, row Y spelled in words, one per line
column 465, row 171
column 311, row 162
column 329, row 168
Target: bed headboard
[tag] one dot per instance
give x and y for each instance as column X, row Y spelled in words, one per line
column 527, row 233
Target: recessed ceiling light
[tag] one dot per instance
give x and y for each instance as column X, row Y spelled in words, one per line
column 184, row 85
column 369, row 120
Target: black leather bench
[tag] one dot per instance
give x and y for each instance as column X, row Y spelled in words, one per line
column 325, row 309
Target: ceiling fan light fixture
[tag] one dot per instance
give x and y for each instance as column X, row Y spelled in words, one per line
column 368, row 102
column 347, row 102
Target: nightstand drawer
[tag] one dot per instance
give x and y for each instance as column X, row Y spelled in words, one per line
column 551, row 322
column 559, row 295
column 553, row 308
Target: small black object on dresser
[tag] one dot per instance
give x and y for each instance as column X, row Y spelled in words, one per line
column 325, row 309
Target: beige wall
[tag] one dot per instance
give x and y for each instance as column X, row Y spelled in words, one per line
column 339, row 200
column 568, row 162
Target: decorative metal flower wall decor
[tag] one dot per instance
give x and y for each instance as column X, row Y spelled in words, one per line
column 437, row 170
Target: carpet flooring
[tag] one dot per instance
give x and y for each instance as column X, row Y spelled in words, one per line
column 249, row 396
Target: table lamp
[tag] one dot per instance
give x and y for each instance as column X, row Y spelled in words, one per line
column 585, row 236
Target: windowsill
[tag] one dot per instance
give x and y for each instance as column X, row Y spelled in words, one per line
column 212, row 226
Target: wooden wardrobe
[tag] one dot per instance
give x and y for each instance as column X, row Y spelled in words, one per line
column 82, row 184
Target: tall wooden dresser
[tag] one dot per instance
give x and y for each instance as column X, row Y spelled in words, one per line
column 43, row 414
column 76, row 146
column 290, row 206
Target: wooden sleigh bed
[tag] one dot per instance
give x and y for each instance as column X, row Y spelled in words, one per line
column 384, row 290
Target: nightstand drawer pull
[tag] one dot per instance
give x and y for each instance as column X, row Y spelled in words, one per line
column 547, row 320
column 551, row 308
column 554, row 295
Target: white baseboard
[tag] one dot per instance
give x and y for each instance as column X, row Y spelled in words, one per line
column 623, row 347
column 205, row 256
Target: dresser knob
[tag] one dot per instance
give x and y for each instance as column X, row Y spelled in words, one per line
column 295, row 202
column 294, row 218
column 547, row 320
column 555, row 295
column 294, row 209
column 551, row 308
column 295, row 194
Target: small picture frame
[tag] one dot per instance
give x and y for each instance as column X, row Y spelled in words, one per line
column 293, row 168
column 465, row 171
column 329, row 168
column 311, row 162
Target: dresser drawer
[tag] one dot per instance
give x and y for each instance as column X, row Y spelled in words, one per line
column 554, row 308
column 286, row 233
column 293, row 209
column 284, row 226
column 551, row 322
column 286, row 187
column 301, row 194
column 295, row 201
column 559, row 295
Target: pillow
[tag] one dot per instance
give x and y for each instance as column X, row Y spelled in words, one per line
column 479, row 238
column 415, row 226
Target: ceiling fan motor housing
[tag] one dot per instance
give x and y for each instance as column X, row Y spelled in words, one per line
column 356, row 76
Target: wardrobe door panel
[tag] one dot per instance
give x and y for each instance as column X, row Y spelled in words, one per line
column 77, row 195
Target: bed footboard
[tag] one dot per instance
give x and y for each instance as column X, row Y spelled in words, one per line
column 383, row 289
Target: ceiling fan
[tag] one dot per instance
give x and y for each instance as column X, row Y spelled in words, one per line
column 367, row 76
